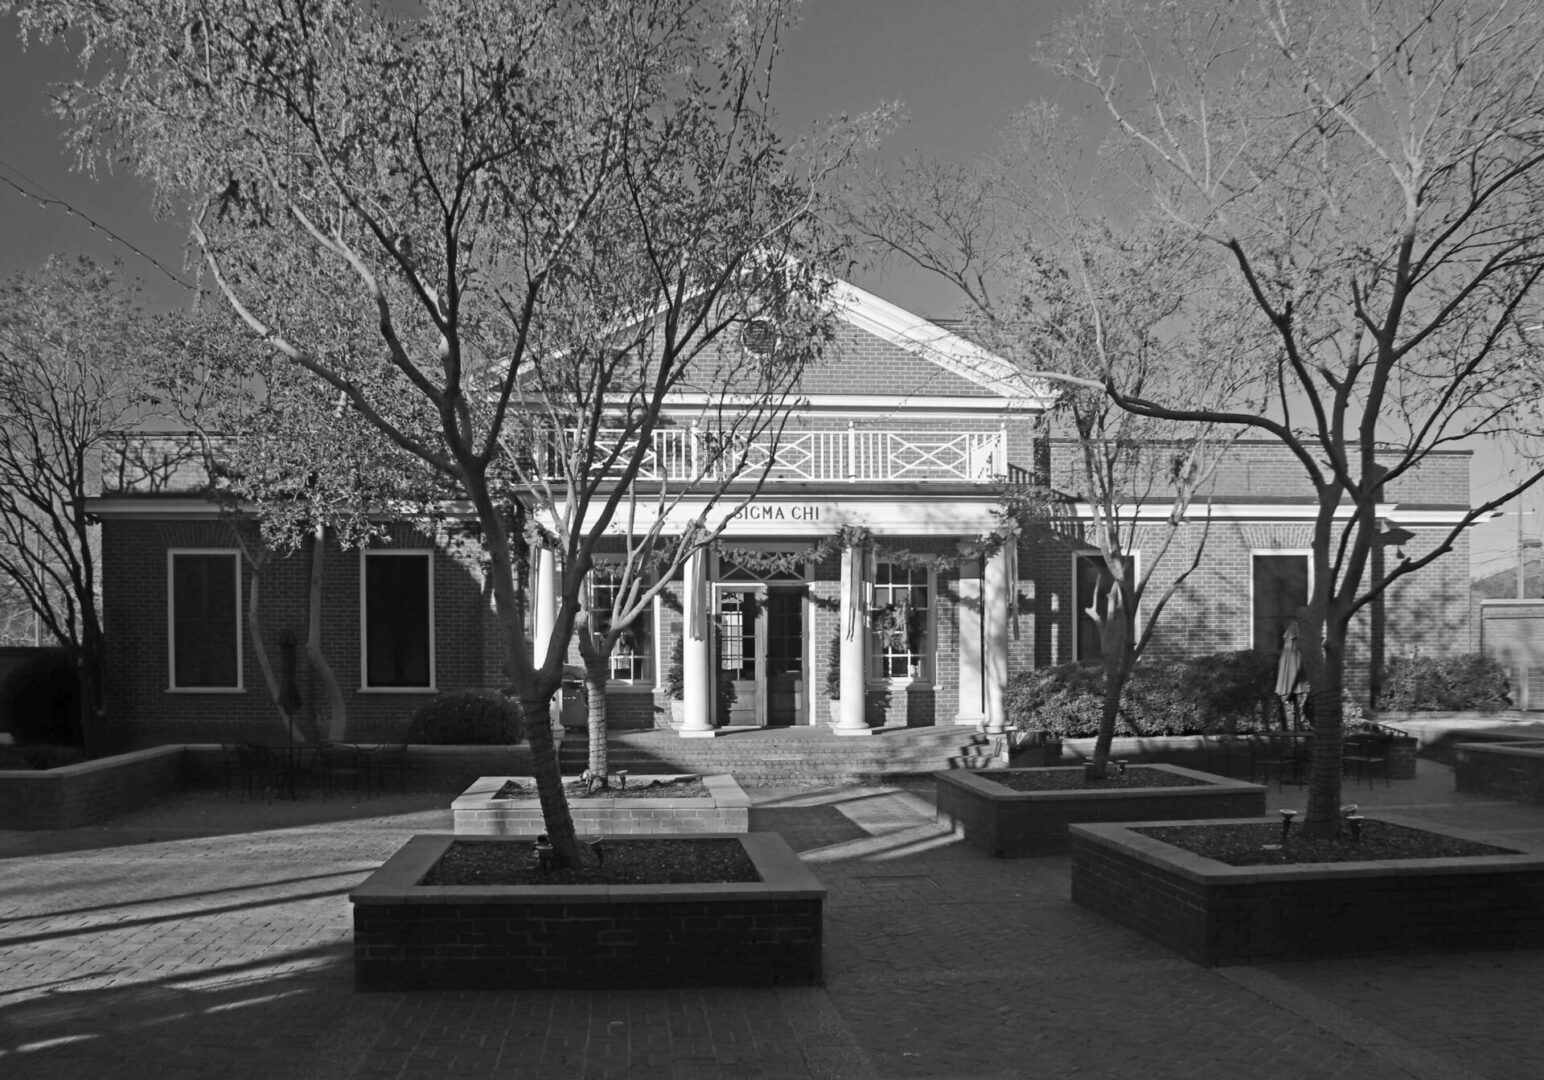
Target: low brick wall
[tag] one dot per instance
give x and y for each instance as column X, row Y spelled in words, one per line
column 1213, row 914
column 410, row 937
column 1201, row 752
column 75, row 795
column 726, row 809
column 1505, row 770
column 1013, row 824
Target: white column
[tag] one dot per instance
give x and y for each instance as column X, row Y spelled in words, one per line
column 544, row 614
column 994, row 613
column 972, row 689
column 696, row 657
column 854, row 646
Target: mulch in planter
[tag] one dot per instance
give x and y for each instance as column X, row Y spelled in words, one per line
column 1261, row 844
column 1076, row 780
column 643, row 861
column 690, row 787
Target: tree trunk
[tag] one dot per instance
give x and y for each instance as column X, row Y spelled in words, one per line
column 1324, row 775
column 337, row 708
column 1115, row 639
column 91, row 692
column 537, row 690
column 597, row 676
column 260, row 652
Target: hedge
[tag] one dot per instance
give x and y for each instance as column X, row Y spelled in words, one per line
column 467, row 717
column 1464, row 682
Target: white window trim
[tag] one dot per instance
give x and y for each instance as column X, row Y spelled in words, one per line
column 650, row 619
column 930, row 655
column 1306, row 553
column 171, row 625
column 364, row 626
column 1077, row 601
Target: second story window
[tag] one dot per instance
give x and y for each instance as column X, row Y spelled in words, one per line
column 901, row 645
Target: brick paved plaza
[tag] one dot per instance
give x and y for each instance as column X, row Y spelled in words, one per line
column 211, row 938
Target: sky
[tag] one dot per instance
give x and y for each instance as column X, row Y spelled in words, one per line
column 960, row 69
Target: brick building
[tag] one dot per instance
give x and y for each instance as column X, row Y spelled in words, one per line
column 870, row 581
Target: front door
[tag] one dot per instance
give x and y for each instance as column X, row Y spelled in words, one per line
column 739, row 692
column 760, row 655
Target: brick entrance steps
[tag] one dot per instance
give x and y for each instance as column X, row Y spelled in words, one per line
column 762, row 755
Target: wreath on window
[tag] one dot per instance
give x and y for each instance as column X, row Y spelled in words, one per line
column 893, row 624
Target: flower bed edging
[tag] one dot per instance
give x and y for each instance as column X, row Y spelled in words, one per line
column 411, row 937
column 1014, row 824
column 725, row 810
column 1212, row 913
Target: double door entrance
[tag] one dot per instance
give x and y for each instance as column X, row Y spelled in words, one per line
column 761, row 670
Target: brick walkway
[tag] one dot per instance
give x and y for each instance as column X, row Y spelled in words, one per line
column 205, row 938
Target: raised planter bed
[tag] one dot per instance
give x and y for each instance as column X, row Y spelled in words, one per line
column 1506, row 770
column 408, row 936
column 90, row 791
column 1013, row 824
column 725, row 810
column 1213, row 913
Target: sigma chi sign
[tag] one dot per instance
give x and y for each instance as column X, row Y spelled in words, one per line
column 779, row 512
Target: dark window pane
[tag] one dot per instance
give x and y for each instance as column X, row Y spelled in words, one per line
column 1280, row 589
column 397, row 620
column 204, row 620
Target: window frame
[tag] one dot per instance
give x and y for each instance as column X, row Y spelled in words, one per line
column 1077, row 600
column 366, row 554
column 648, row 655
column 1306, row 554
column 172, row 686
column 878, row 674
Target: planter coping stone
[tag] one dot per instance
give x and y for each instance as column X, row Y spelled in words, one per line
column 784, row 877
column 982, row 783
column 1200, row 869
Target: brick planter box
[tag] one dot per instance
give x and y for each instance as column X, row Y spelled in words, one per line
column 408, row 936
column 91, row 791
column 1012, row 824
column 725, row 810
column 1506, row 770
column 1213, row 913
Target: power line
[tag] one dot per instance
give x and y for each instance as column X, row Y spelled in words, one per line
column 45, row 201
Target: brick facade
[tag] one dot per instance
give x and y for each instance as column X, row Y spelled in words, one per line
column 871, row 381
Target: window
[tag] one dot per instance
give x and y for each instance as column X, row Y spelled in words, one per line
column 1278, row 589
column 204, row 617
column 631, row 656
column 1091, row 582
column 901, row 645
column 397, row 595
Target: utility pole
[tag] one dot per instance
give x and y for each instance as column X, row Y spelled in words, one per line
column 1522, row 550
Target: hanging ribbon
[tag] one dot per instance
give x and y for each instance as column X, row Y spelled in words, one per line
column 699, row 587
column 1011, row 557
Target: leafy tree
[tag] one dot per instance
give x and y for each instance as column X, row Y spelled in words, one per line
column 1069, row 294
column 1371, row 176
column 74, row 344
column 477, row 191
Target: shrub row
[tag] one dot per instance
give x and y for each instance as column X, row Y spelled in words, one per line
column 39, row 701
column 469, row 718
column 1219, row 692
column 1466, row 682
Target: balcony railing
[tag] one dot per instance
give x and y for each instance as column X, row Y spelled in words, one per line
column 854, row 455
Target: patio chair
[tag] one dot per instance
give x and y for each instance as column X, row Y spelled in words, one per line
column 260, row 772
column 1280, row 758
column 344, row 763
column 388, row 760
column 1363, row 754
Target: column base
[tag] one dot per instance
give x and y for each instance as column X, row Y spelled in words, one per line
column 686, row 733
column 852, row 731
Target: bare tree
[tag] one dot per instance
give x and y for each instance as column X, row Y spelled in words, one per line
column 73, row 348
column 1371, row 175
column 474, row 187
column 1070, row 294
